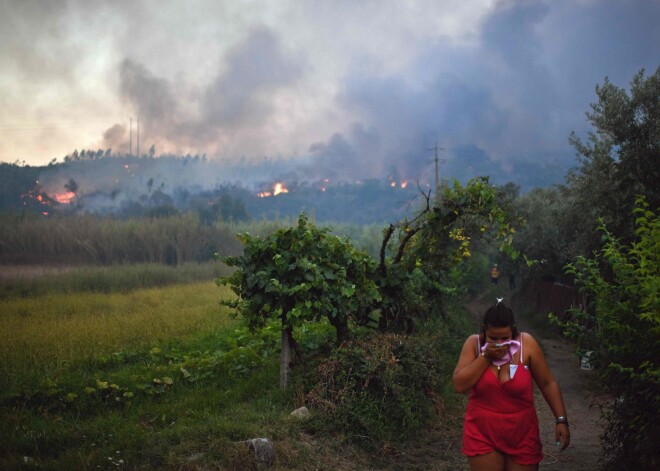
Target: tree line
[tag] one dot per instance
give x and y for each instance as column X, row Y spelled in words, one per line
column 618, row 161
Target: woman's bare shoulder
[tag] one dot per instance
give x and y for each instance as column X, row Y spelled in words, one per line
column 529, row 341
column 472, row 340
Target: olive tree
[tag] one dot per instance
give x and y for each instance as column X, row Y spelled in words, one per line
column 417, row 254
column 618, row 161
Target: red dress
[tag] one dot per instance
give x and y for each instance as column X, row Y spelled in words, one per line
column 502, row 417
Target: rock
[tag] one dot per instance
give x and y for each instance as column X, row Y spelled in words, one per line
column 195, row 457
column 301, row 413
column 264, row 451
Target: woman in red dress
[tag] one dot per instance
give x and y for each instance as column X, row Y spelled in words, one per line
column 501, row 430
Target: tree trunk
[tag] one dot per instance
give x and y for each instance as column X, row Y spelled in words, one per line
column 285, row 359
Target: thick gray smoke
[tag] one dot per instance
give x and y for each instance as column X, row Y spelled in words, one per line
column 150, row 97
column 325, row 86
column 238, row 101
column 241, row 94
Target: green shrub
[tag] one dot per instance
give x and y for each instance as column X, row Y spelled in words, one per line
column 301, row 274
column 622, row 328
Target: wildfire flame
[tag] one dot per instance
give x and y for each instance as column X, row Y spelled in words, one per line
column 35, row 194
column 65, row 198
column 278, row 188
column 402, row 184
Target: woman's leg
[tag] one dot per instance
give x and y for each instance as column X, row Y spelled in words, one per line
column 493, row 461
column 513, row 466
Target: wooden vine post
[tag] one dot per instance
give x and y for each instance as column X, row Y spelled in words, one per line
column 285, row 359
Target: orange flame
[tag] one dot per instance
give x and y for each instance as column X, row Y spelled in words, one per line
column 404, row 184
column 65, row 198
column 279, row 188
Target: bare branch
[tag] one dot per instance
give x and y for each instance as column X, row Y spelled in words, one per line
column 383, row 247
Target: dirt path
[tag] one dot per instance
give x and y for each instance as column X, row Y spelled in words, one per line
column 438, row 449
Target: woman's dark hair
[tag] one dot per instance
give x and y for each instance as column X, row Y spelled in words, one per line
column 499, row 315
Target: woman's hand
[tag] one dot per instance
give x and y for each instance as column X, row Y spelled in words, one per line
column 494, row 352
column 562, row 435
column 470, row 365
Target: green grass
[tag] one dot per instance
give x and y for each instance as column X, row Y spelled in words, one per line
column 159, row 378
column 156, row 378
column 43, row 335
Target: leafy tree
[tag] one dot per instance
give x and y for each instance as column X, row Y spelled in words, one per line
column 225, row 207
column 621, row 326
column 159, row 198
column 239, row 213
column 440, row 237
column 619, row 161
column 71, row 186
column 16, row 183
column 546, row 234
column 301, row 274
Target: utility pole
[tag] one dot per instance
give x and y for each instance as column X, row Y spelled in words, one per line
column 130, row 139
column 138, row 138
column 437, row 160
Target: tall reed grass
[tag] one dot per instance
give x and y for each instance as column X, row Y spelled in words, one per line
column 22, row 281
column 97, row 240
column 102, row 240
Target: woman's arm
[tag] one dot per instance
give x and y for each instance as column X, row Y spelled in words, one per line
column 538, row 366
column 470, row 366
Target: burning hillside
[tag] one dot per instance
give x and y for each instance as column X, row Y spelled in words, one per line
column 128, row 186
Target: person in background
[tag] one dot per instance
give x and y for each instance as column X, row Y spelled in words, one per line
column 496, row 366
column 494, row 274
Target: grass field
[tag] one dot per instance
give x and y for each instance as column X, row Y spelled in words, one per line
column 153, row 378
column 41, row 334
column 165, row 378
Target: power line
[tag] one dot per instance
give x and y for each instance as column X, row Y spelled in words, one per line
column 40, row 127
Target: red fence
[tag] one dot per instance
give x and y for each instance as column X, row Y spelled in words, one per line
column 552, row 297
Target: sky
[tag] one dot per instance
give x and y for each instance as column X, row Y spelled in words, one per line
column 354, row 87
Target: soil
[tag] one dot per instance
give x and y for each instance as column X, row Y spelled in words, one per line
column 439, row 448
